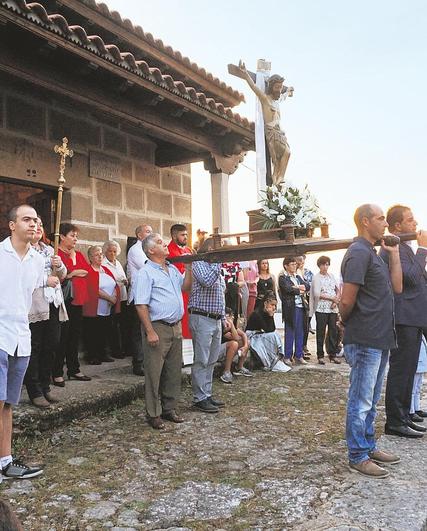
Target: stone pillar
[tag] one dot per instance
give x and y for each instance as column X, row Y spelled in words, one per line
column 220, row 204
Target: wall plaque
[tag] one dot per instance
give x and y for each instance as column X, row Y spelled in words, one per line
column 104, row 167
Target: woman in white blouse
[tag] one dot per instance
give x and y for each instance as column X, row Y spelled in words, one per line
column 324, row 299
column 118, row 337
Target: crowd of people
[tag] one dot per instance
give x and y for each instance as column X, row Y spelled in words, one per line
column 54, row 306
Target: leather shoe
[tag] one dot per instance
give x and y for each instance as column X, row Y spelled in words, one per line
column 216, row 403
column 156, row 423
column 172, row 417
column 51, row 398
column 206, row 406
column 421, row 413
column 40, row 402
column 138, row 370
column 403, row 431
column 415, row 418
column 416, row 427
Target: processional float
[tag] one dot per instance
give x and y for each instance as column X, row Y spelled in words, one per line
column 271, row 145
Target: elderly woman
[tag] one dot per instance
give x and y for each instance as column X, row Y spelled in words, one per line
column 103, row 297
column 325, row 296
column 74, row 289
column 47, row 311
column 119, row 331
column 262, row 335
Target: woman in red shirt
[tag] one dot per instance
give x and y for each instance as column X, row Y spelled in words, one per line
column 75, row 295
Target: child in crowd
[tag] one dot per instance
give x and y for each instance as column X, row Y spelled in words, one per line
column 235, row 346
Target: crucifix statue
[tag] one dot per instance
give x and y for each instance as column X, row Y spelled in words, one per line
column 64, row 152
column 270, row 94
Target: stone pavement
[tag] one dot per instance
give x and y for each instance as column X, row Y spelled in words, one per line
column 274, row 458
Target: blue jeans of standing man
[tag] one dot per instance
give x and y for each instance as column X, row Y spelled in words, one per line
column 295, row 334
column 206, row 336
column 368, row 367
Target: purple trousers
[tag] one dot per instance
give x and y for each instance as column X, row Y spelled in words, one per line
column 294, row 335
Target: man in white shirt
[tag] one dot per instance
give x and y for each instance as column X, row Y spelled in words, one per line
column 136, row 258
column 22, row 271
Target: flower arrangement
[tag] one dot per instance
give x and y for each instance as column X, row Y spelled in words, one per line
column 288, row 204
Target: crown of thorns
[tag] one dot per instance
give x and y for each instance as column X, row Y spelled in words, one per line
column 275, row 78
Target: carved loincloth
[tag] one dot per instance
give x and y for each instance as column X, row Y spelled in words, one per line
column 277, row 141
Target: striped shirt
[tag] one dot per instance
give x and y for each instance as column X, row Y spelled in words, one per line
column 160, row 291
column 207, row 292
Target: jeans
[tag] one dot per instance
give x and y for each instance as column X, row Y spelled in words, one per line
column 368, row 367
column 206, row 335
column 295, row 334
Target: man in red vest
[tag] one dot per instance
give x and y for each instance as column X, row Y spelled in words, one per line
column 178, row 247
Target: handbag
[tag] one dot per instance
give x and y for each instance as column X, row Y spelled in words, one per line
column 67, row 290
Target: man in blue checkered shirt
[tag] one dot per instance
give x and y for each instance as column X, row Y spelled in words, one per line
column 207, row 311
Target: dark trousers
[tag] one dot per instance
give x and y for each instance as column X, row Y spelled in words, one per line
column 135, row 343
column 68, row 349
column 95, row 332
column 400, row 379
column 44, row 343
column 326, row 321
column 306, row 329
column 119, row 332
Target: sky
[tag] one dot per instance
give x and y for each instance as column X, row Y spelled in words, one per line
column 357, row 124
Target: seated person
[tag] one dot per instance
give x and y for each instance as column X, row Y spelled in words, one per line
column 262, row 335
column 234, row 343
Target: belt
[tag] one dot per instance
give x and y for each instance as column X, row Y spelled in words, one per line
column 216, row 316
column 166, row 323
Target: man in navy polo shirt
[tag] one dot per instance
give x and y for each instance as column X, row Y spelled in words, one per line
column 367, row 312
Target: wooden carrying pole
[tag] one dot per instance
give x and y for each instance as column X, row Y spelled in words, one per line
column 273, row 249
column 64, row 152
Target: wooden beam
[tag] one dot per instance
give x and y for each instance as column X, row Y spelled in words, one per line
column 271, row 249
column 151, row 50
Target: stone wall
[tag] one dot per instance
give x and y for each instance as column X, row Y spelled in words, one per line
column 112, row 182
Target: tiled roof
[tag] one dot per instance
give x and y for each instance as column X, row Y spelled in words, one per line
column 58, row 24
column 159, row 44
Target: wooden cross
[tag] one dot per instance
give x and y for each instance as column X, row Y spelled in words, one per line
column 63, row 152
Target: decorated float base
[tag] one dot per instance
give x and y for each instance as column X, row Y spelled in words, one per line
column 287, row 232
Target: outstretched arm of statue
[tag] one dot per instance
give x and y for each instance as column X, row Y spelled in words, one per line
column 250, row 81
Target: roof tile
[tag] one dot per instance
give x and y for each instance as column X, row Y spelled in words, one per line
column 57, row 23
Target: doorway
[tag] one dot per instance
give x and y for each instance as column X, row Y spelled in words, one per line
column 43, row 200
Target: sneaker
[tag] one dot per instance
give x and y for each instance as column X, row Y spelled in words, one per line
column 227, row 378
column 384, row 458
column 369, row 468
column 243, row 372
column 206, row 406
column 16, row 469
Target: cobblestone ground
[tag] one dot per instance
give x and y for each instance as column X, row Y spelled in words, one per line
column 274, row 458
